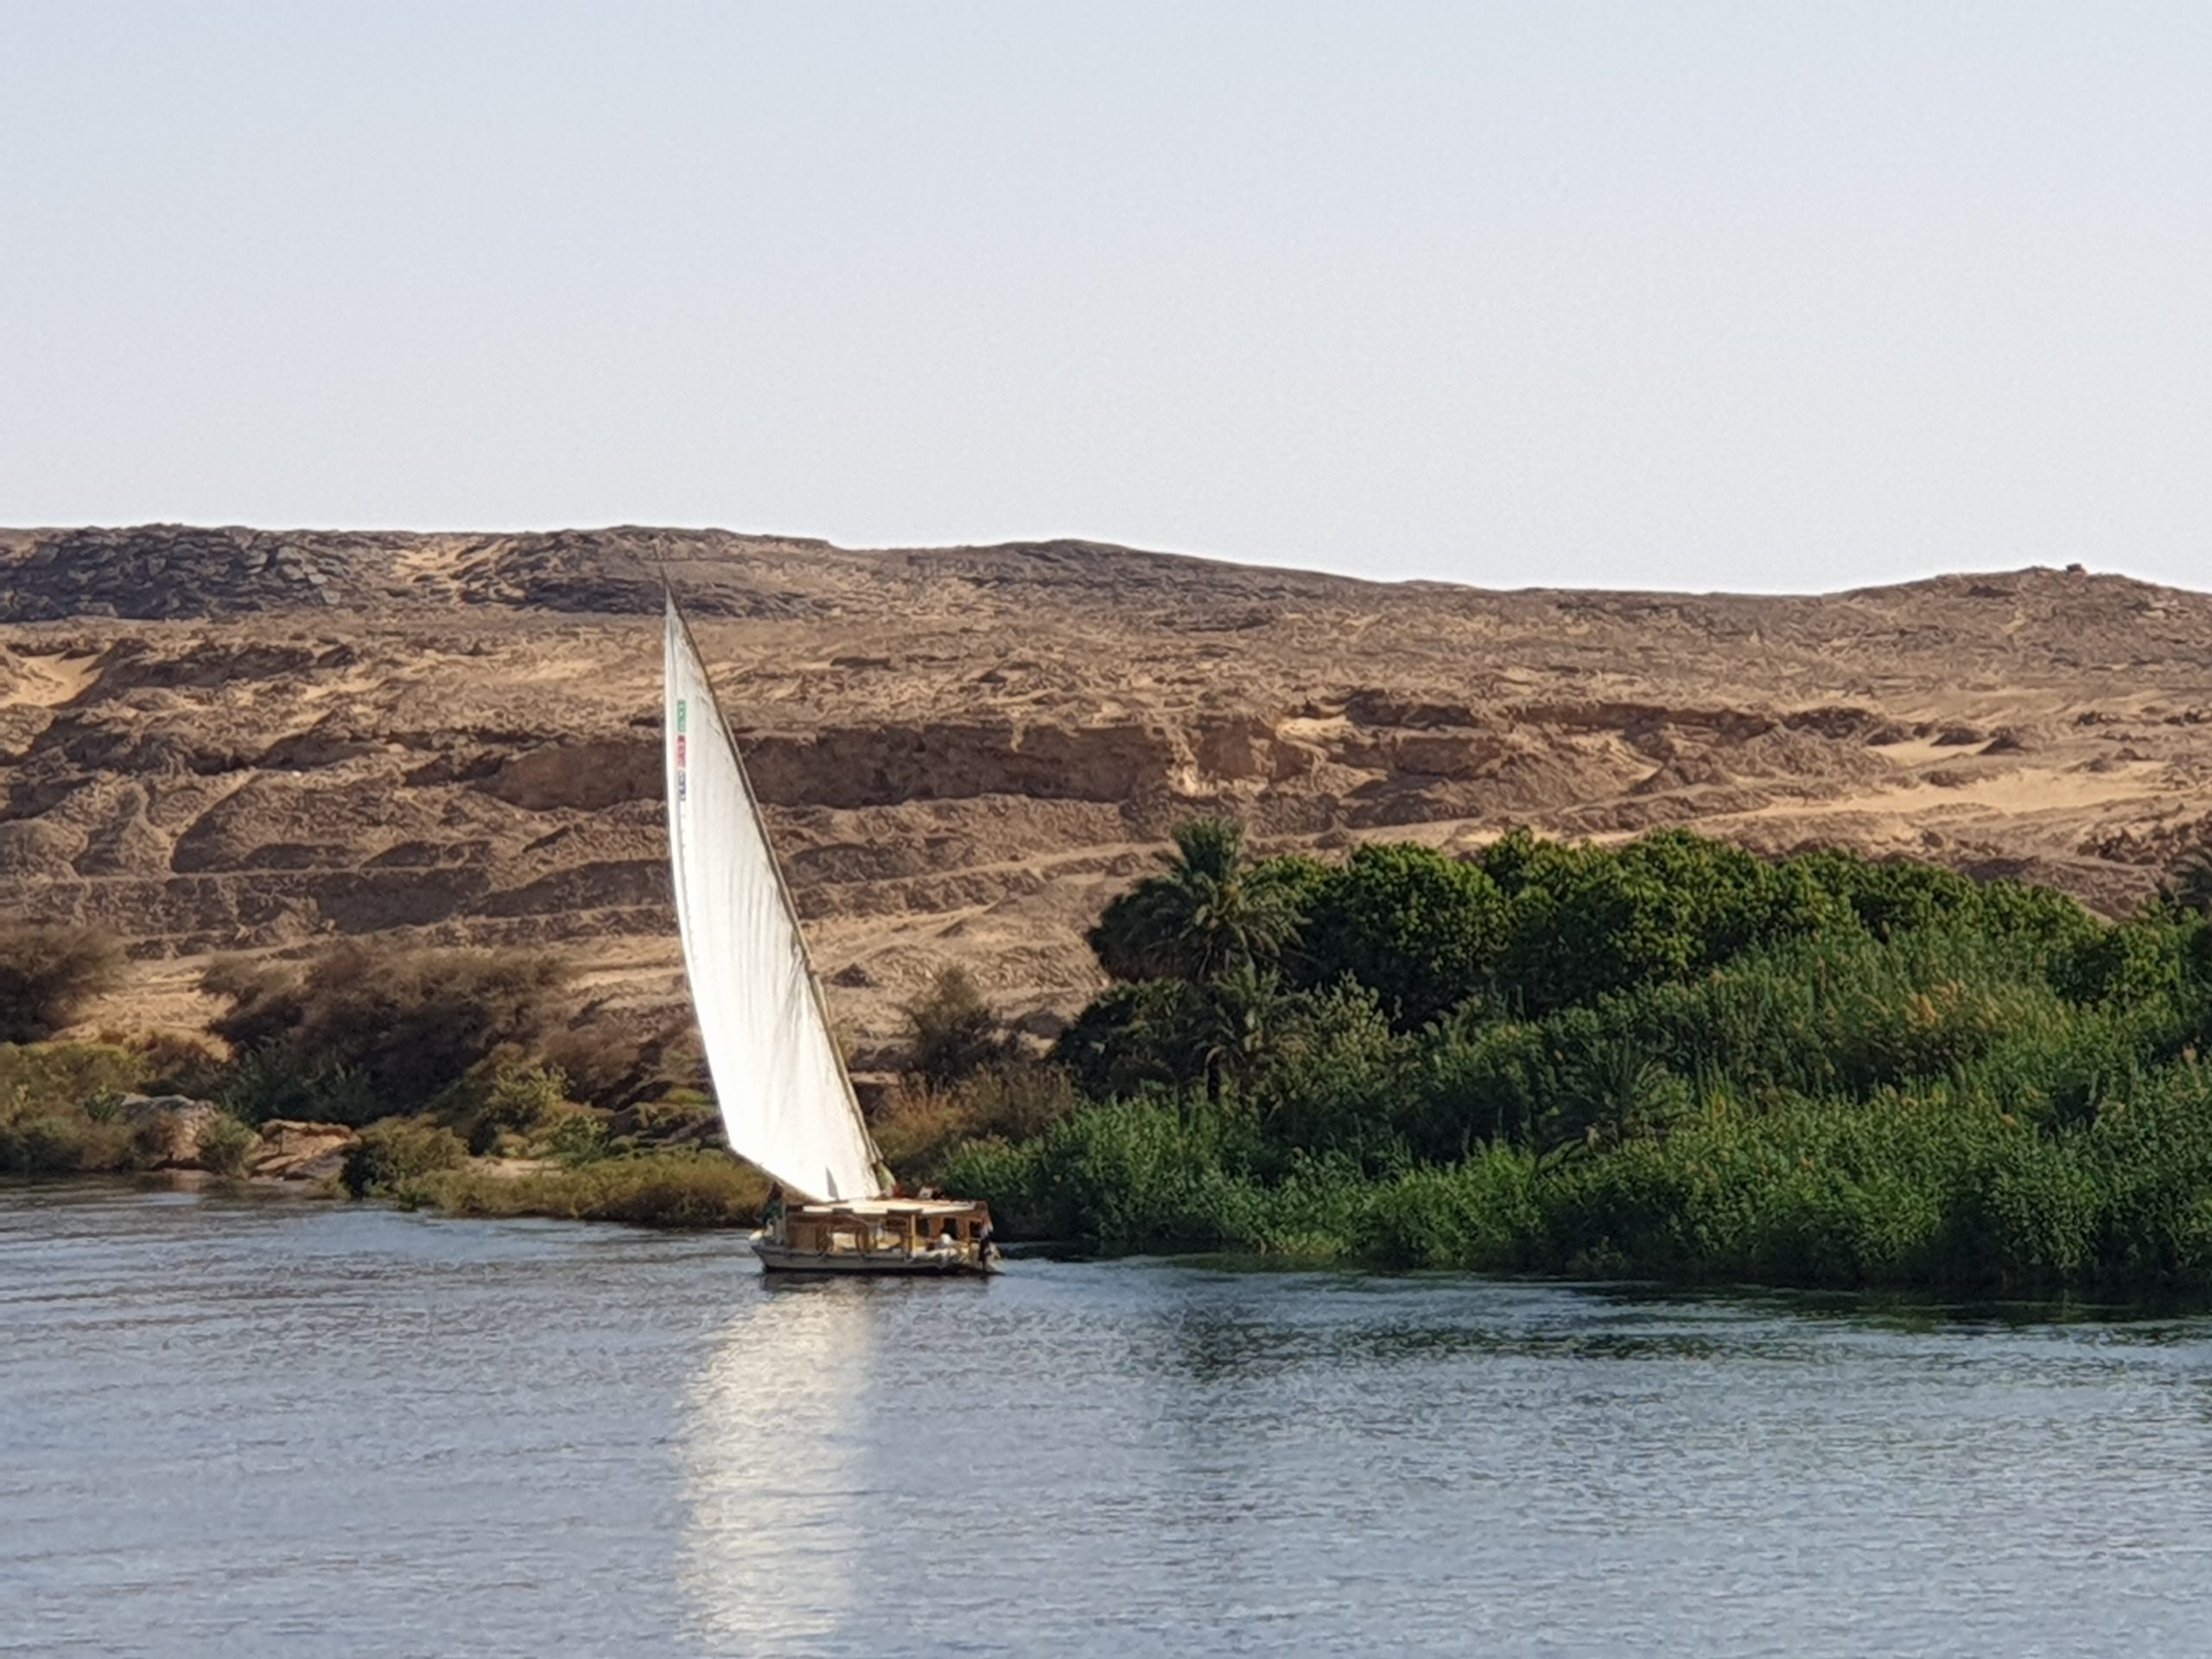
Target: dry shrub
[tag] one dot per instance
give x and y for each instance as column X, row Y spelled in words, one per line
column 952, row 1032
column 179, row 1062
column 62, row 1144
column 48, row 974
column 667, row 1189
column 607, row 1067
column 920, row 1127
column 411, row 1022
column 264, row 999
column 917, row 1127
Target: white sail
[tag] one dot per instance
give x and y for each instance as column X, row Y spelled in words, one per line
column 785, row 1100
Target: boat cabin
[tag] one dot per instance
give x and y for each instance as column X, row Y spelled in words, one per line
column 881, row 1235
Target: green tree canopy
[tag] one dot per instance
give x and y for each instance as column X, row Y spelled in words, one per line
column 1211, row 910
column 1423, row 931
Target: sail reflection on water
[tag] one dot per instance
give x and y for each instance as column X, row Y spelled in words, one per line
column 771, row 1451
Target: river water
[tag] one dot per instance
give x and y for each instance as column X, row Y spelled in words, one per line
column 244, row 1427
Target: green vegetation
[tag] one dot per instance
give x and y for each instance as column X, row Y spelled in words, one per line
column 58, row 1111
column 1668, row 1058
column 2191, row 885
column 393, row 1156
column 1211, row 910
column 434, row 1055
column 224, row 1144
column 951, row 1033
column 922, row 1127
column 61, row 1113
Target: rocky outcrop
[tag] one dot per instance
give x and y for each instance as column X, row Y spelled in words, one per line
column 221, row 739
column 173, row 1132
column 291, row 1151
column 178, row 570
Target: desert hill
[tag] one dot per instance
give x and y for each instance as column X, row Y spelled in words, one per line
column 219, row 739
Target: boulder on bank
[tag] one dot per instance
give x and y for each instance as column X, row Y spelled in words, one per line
column 293, row 1151
column 171, row 1132
column 167, row 1128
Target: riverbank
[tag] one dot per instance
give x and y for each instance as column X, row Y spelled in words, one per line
column 1907, row 1192
column 1667, row 1060
column 1928, row 1190
column 81, row 1110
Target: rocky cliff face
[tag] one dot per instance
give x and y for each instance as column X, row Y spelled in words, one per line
column 218, row 739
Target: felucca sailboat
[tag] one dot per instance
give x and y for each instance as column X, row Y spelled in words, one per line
column 786, row 1102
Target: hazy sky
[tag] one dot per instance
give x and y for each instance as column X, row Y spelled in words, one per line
column 1696, row 295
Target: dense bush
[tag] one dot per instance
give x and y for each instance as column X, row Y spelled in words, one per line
column 607, row 1066
column 393, row 1156
column 58, row 1107
column 951, row 1032
column 47, row 975
column 408, row 1024
column 667, row 1189
column 1422, row 931
column 224, row 1143
column 1149, row 1173
column 577, row 1140
column 1132, row 1035
column 921, row 1125
column 269, row 1082
column 502, row 1096
column 1670, row 1057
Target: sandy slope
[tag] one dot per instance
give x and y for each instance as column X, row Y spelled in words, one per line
column 224, row 739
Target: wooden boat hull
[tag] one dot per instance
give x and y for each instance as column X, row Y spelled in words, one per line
column 924, row 1264
column 910, row 1238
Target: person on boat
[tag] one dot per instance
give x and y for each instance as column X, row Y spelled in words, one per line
column 949, row 1239
column 986, row 1245
column 771, row 1213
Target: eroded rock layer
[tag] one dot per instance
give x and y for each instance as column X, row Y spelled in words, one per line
column 225, row 740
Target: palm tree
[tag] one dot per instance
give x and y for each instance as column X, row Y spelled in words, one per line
column 1238, row 1016
column 1209, row 910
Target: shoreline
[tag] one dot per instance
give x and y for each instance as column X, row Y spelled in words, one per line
column 2027, row 1303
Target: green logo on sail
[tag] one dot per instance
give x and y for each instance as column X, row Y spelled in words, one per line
column 681, row 705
